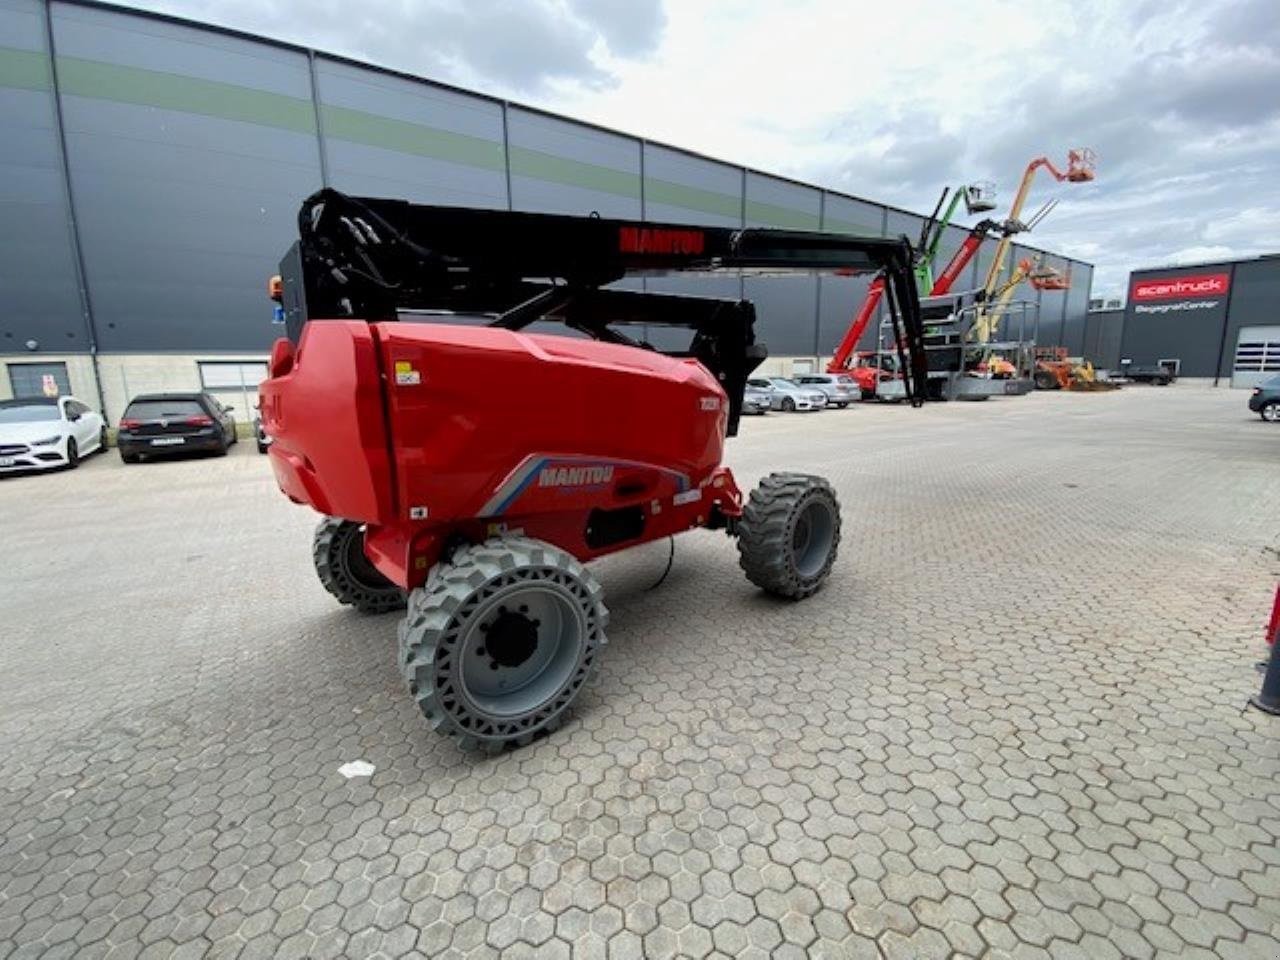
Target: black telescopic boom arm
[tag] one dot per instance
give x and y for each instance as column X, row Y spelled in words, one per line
column 371, row 258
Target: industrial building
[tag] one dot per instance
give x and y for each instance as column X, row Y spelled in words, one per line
column 152, row 170
column 1218, row 321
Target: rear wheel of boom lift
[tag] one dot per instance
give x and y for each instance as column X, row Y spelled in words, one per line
column 501, row 640
column 789, row 534
column 344, row 570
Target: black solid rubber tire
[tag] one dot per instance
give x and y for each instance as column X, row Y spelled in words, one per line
column 130, row 457
column 262, row 447
column 73, row 454
column 102, row 440
column 352, row 582
column 868, row 394
column 443, row 612
column 842, row 406
column 1045, row 381
column 1269, row 405
column 788, row 405
column 766, row 529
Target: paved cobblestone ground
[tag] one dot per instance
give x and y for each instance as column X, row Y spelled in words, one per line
column 1010, row 726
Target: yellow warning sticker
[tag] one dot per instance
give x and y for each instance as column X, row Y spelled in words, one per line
column 406, row 376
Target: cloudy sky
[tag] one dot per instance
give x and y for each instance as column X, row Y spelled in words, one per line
column 1181, row 100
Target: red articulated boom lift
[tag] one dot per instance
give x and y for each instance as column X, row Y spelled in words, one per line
column 482, row 502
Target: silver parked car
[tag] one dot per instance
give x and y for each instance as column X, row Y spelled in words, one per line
column 840, row 388
column 788, row 395
column 756, row 400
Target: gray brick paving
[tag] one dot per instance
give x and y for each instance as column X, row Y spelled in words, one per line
column 1009, row 727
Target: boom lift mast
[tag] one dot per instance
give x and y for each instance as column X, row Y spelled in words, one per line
column 1080, row 169
column 978, row 197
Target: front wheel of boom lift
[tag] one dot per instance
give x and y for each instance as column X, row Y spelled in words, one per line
column 344, row 570
column 501, row 640
column 789, row 534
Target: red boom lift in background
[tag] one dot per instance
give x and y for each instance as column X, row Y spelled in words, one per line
column 483, row 503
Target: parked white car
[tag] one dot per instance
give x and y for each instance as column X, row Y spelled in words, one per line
column 38, row 433
column 788, row 395
column 840, row 388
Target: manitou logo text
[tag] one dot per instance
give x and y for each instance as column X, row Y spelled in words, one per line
column 574, row 476
column 646, row 240
column 1180, row 288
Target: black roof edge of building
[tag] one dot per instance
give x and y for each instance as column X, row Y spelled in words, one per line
column 1225, row 262
column 238, row 34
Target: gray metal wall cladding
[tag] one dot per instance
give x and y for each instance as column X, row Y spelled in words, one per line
column 188, row 150
column 39, row 298
column 1102, row 333
column 1255, row 301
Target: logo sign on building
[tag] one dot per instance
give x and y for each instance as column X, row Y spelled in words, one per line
column 1197, row 291
column 49, row 385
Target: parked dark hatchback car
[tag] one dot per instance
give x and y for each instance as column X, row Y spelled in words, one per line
column 167, row 423
column 1265, row 399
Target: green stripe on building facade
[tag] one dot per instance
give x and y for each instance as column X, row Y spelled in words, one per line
column 773, row 215
column 692, row 198
column 24, row 69
column 836, row 225
column 171, row 91
column 29, row 70
column 573, row 173
column 402, row 136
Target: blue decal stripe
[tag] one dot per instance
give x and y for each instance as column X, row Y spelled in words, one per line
column 519, row 479
column 521, row 488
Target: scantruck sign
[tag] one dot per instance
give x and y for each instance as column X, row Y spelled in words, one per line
column 1195, row 291
column 1178, row 288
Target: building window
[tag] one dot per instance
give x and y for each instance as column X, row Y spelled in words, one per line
column 39, row 379
column 1258, row 356
column 233, row 382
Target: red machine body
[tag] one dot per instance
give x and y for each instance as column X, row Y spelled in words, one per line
column 467, row 465
column 428, row 431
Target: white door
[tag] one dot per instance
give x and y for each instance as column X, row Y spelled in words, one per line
column 85, row 429
column 91, row 426
column 1257, row 356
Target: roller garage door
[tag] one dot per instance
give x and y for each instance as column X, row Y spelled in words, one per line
column 38, row 379
column 1257, row 356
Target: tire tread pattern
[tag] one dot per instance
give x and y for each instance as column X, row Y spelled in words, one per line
column 765, row 531
column 437, row 617
column 328, row 550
